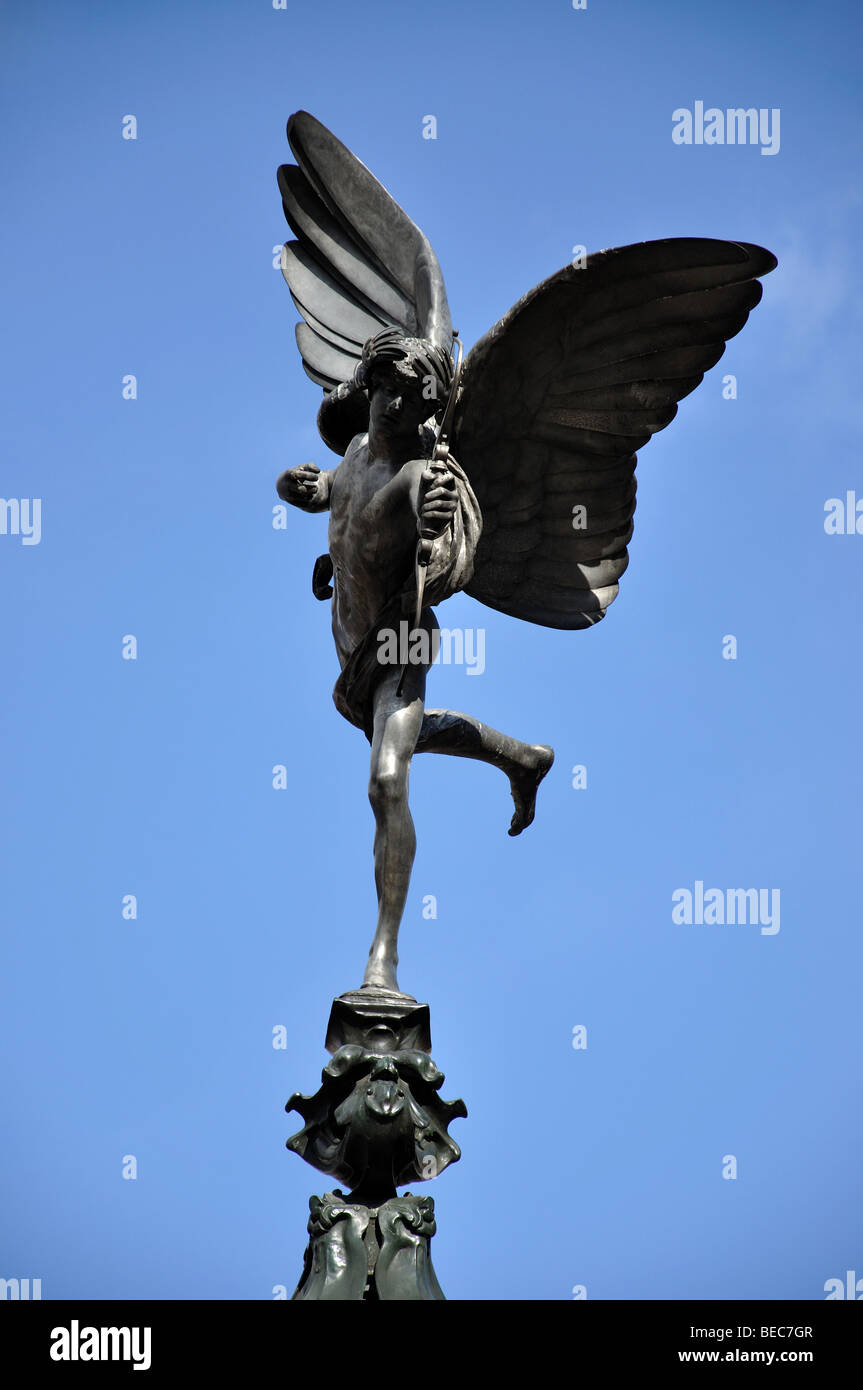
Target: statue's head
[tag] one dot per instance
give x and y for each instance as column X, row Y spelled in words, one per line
column 408, row 381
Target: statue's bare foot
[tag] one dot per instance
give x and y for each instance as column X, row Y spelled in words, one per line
column 381, row 974
column 524, row 782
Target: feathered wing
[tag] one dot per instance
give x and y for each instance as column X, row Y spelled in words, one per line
column 359, row 264
column 561, row 392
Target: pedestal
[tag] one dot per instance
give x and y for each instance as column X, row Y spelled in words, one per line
column 376, row 1123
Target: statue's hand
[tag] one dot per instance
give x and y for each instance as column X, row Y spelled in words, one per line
column 439, row 499
column 299, row 485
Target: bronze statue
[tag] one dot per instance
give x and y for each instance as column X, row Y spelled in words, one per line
column 513, row 479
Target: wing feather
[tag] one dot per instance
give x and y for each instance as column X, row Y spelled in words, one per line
column 559, row 395
column 358, row 264
column 321, row 356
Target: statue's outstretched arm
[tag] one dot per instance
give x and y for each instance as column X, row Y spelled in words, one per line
column 307, row 487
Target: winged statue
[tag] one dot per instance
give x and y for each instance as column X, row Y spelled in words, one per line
column 510, row 475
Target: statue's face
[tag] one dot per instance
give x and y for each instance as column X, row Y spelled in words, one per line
column 397, row 407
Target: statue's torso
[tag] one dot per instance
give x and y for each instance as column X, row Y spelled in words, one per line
column 372, row 541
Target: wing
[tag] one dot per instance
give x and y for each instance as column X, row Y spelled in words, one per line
column 561, row 392
column 359, row 264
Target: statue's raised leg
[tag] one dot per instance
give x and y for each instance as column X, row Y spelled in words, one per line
column 462, row 736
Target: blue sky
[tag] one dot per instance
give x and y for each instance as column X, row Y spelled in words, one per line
column 599, row 1167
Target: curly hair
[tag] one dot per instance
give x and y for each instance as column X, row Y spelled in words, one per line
column 412, row 359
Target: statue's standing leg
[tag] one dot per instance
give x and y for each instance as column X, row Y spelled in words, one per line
column 397, row 722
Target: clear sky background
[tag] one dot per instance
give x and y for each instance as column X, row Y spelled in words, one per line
column 600, row 1167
